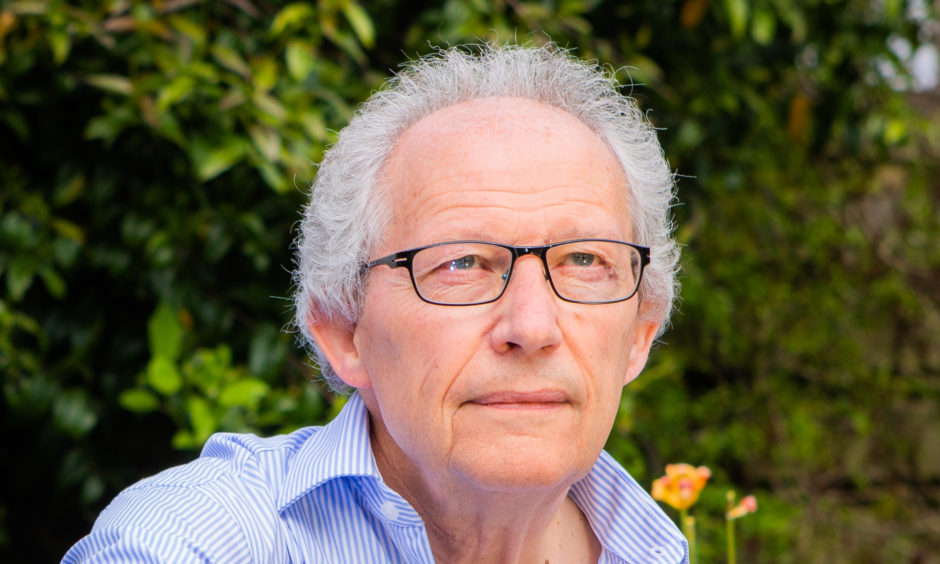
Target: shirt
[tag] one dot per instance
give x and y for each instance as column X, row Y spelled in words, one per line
column 316, row 496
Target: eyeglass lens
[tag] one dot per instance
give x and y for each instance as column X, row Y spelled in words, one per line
column 582, row 271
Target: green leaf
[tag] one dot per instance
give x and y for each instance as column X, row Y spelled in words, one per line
column 73, row 413
column 737, row 16
column 31, row 397
column 200, row 416
column 246, row 393
column 185, row 440
column 19, row 278
column 264, row 72
column 892, row 9
column 68, row 229
column 17, row 230
column 764, row 26
column 267, row 350
column 208, row 368
column 169, row 127
column 292, row 15
column 65, row 251
column 54, row 283
column 163, row 375
column 61, row 45
column 92, row 489
column 165, row 333
column 179, row 88
column 341, row 38
column 189, row 28
column 895, row 132
column 273, row 177
column 360, row 22
column 269, row 106
column 231, row 60
column 113, row 83
column 106, row 127
column 312, row 122
column 65, row 193
column 300, row 59
column 211, row 161
column 142, row 13
column 138, row 400
column 266, row 140
column 13, row 118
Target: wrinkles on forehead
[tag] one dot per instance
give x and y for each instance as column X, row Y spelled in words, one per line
column 507, row 210
column 493, row 153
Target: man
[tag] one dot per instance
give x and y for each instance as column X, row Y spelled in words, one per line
column 485, row 262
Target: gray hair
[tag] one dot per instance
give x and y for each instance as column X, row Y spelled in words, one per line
column 347, row 215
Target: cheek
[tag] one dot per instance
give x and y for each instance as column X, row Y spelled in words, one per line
column 600, row 342
column 416, row 350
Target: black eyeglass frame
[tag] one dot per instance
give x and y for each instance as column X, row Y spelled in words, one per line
column 403, row 259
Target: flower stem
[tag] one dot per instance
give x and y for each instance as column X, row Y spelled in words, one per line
column 729, row 526
column 688, row 529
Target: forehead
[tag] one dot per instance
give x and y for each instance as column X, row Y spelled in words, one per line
column 494, row 168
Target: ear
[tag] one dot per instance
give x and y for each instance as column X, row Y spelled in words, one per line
column 643, row 335
column 336, row 339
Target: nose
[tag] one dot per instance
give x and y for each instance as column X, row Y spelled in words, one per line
column 528, row 311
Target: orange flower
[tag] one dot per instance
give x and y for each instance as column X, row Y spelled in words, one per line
column 748, row 504
column 681, row 485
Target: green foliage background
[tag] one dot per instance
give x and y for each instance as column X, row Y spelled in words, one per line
column 153, row 158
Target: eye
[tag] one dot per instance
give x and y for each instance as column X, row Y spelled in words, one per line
column 463, row 263
column 582, row 259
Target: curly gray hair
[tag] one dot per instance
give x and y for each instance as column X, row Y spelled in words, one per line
column 345, row 216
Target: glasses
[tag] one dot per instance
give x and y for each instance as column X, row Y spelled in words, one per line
column 461, row 273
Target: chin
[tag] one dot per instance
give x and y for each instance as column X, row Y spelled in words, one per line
column 522, row 468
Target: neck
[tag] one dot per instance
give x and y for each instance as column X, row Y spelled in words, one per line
column 496, row 535
column 469, row 523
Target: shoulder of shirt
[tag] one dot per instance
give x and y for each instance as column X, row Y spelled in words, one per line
column 216, row 507
column 232, row 454
column 228, row 458
column 629, row 524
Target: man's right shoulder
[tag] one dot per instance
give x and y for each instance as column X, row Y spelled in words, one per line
column 221, row 507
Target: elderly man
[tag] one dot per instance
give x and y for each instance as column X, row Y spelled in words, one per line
column 484, row 263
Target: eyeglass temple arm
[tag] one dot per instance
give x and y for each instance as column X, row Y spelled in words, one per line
column 391, row 261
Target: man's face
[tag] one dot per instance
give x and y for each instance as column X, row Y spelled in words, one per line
column 519, row 394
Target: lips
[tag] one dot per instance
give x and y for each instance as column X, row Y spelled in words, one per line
column 522, row 399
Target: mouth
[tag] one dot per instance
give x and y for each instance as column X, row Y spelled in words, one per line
column 538, row 399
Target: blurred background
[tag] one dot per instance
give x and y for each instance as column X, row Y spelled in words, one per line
column 154, row 157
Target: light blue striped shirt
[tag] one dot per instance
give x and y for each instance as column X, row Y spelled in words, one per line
column 316, row 496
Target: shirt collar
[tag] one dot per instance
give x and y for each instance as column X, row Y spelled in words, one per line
column 340, row 449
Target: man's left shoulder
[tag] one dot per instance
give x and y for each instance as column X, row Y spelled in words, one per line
column 628, row 522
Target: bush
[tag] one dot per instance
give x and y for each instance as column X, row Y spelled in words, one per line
column 153, row 159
